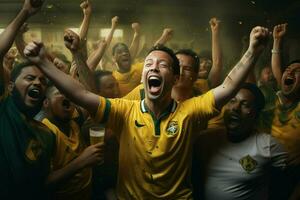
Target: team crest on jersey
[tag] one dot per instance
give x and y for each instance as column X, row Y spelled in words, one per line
column 172, row 128
column 248, row 163
column 34, row 150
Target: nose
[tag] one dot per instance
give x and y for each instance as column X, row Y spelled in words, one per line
column 236, row 106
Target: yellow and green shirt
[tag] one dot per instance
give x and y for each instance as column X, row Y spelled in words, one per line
column 67, row 149
column 128, row 81
column 155, row 154
column 284, row 124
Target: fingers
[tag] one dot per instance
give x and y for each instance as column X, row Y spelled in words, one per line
column 115, row 19
column 135, row 26
column 71, row 39
column 33, row 49
column 85, row 4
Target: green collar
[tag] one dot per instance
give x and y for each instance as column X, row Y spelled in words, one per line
column 170, row 109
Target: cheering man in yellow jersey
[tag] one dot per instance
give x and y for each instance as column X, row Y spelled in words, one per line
column 156, row 134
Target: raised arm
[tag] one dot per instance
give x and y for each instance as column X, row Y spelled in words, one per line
column 217, row 64
column 87, row 12
column 231, row 84
column 86, row 76
column 114, row 24
column 96, row 56
column 165, row 37
column 134, row 47
column 19, row 40
column 7, row 37
column 73, row 90
column 278, row 32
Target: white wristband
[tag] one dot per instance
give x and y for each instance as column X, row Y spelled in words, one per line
column 275, row 51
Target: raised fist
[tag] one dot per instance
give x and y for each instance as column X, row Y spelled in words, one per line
column 32, row 6
column 258, row 38
column 114, row 21
column 86, row 7
column 279, row 31
column 72, row 40
column 136, row 27
column 214, row 24
column 35, row 52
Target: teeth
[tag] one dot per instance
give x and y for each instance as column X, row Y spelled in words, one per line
column 153, row 78
column 34, row 93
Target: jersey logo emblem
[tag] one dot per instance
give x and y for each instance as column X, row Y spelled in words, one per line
column 172, row 128
column 248, row 163
column 138, row 124
column 34, row 150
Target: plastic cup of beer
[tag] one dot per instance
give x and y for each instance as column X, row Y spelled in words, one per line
column 96, row 135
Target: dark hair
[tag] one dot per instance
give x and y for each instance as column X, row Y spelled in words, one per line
column 175, row 64
column 293, row 62
column 17, row 69
column 189, row 52
column 259, row 102
column 98, row 75
column 118, row 45
column 205, row 54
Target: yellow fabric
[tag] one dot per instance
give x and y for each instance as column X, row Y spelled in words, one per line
column 151, row 165
column 135, row 94
column 128, row 81
column 202, row 85
column 217, row 121
column 287, row 133
column 67, row 149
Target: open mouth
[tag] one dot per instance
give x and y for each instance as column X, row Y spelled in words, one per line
column 289, row 81
column 154, row 84
column 66, row 104
column 34, row 93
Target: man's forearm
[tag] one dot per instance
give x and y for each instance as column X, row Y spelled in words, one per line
column 86, row 76
column 235, row 78
column 8, row 35
column 276, row 60
column 216, row 70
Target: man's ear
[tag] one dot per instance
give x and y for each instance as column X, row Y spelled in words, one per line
column 46, row 103
column 10, row 86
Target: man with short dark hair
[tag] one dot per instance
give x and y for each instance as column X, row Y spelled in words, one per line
column 237, row 160
column 26, row 146
column 157, row 133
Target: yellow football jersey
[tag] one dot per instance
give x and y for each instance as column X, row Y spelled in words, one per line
column 202, row 85
column 155, row 154
column 137, row 93
column 67, row 149
column 284, row 124
column 128, row 81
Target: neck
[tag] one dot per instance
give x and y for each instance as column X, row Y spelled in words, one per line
column 287, row 100
column 158, row 106
column 64, row 126
column 180, row 93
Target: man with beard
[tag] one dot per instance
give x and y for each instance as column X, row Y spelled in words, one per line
column 25, row 145
column 236, row 160
column 157, row 133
